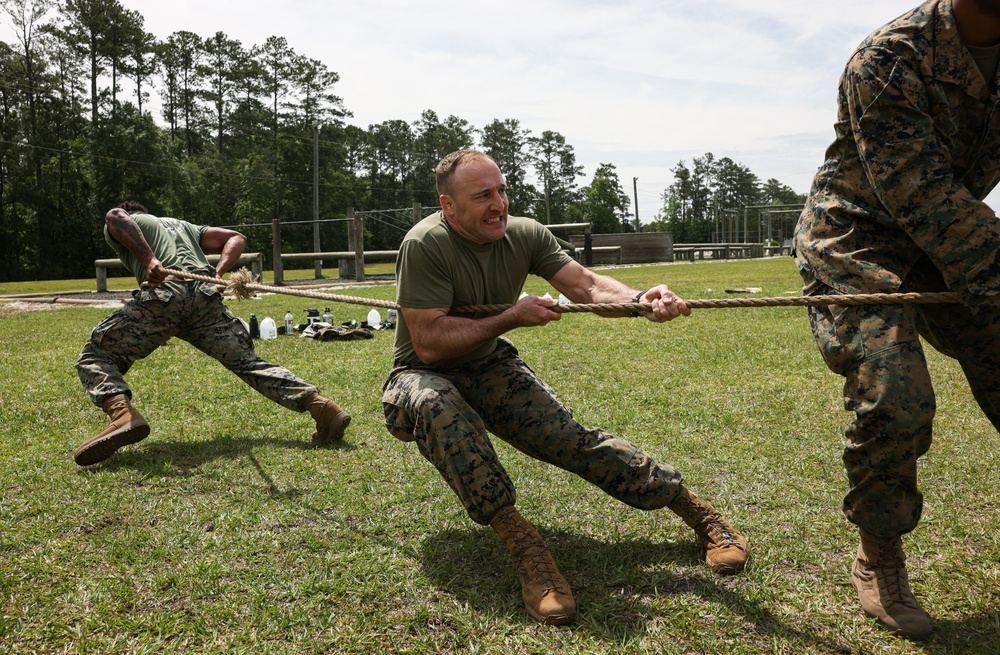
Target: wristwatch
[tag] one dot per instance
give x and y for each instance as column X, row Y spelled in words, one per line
column 636, row 299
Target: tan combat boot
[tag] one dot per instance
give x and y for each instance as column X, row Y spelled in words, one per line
column 547, row 596
column 127, row 427
column 725, row 548
column 331, row 419
column 879, row 575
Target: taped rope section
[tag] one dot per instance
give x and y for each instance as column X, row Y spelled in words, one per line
column 241, row 285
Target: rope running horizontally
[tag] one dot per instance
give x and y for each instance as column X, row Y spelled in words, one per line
column 241, row 285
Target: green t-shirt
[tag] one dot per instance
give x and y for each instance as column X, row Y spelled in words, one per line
column 176, row 243
column 436, row 267
column 987, row 58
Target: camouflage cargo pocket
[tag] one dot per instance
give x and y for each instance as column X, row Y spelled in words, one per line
column 397, row 423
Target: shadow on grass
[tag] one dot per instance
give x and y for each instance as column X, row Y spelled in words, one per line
column 165, row 458
column 613, row 584
column 974, row 635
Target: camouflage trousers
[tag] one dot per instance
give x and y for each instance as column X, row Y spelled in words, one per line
column 887, row 385
column 191, row 311
column 448, row 412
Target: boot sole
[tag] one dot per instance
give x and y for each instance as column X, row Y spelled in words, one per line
column 102, row 447
column 554, row 619
column 337, row 427
column 724, row 569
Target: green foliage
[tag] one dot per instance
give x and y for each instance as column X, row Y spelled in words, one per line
column 233, row 143
column 226, row 531
column 556, row 167
column 709, row 202
column 605, row 205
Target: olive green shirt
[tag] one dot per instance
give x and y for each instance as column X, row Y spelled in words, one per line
column 436, row 267
column 176, row 243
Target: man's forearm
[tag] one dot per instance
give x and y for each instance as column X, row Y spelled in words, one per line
column 230, row 254
column 453, row 336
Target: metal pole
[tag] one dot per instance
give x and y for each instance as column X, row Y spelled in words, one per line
column 345, row 267
column 318, row 264
column 279, row 277
column 359, row 249
column 635, row 194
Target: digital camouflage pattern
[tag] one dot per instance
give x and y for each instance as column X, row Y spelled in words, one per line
column 449, row 412
column 194, row 312
column 917, row 149
column 897, row 206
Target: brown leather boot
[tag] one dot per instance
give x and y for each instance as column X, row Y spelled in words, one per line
column 725, row 548
column 547, row 596
column 127, row 427
column 331, row 420
column 879, row 576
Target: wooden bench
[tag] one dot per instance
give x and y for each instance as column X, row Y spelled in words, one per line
column 615, row 250
column 688, row 251
column 255, row 259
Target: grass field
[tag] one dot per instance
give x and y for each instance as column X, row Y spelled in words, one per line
column 226, row 531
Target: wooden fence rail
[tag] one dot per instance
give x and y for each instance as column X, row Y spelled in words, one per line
column 254, row 259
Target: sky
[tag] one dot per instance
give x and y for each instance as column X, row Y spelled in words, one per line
column 640, row 84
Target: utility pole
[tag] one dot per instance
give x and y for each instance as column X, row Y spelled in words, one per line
column 318, row 264
column 635, row 194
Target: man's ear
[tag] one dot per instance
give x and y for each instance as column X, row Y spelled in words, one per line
column 447, row 204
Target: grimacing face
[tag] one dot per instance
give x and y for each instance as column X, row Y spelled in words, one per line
column 477, row 206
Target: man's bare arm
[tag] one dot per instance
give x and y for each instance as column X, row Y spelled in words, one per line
column 228, row 244
column 125, row 231
column 582, row 285
column 437, row 336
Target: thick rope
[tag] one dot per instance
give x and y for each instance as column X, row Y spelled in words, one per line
column 241, row 285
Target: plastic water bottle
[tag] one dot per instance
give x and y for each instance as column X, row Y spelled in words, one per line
column 390, row 315
column 268, row 330
column 289, row 323
column 328, row 316
column 254, row 327
column 374, row 319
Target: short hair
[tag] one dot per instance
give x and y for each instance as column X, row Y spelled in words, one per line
column 133, row 207
column 444, row 172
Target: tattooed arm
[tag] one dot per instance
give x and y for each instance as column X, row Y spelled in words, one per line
column 125, row 231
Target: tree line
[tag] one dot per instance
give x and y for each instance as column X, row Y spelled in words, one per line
column 237, row 131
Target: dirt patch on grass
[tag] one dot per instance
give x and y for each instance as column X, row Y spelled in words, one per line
column 65, row 300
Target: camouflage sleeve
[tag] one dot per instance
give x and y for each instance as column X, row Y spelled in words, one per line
column 912, row 172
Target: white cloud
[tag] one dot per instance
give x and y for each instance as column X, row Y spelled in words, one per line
column 640, row 84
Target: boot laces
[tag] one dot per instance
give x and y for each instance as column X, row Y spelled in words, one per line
column 893, row 581
column 541, row 566
column 536, row 558
column 718, row 532
column 711, row 526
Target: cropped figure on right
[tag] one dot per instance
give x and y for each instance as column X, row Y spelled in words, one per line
column 898, row 207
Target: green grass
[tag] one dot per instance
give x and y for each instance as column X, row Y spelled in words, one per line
column 226, row 531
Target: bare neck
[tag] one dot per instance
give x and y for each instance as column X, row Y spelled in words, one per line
column 978, row 21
